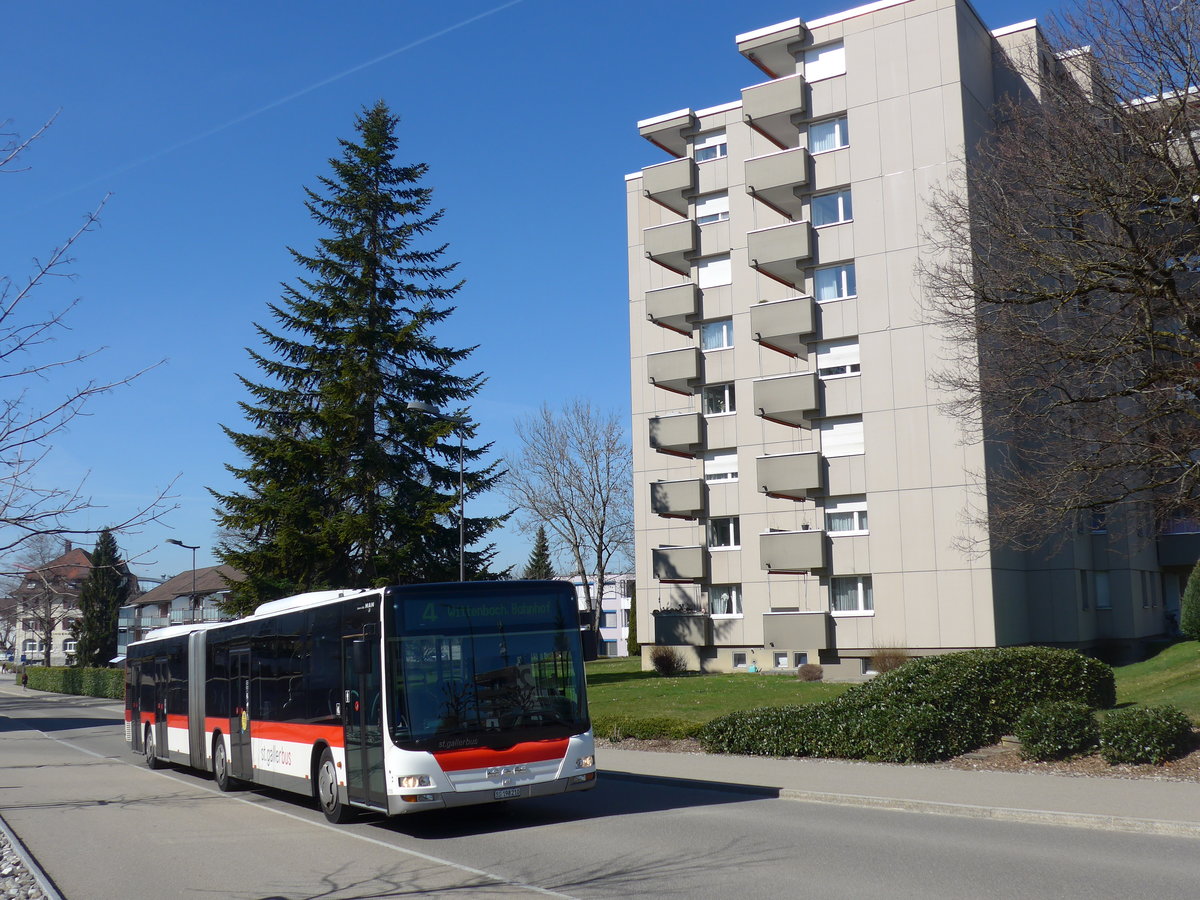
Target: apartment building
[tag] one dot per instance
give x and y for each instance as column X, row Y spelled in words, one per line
column 800, row 495
column 615, row 597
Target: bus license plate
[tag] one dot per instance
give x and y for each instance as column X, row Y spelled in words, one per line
column 509, row 793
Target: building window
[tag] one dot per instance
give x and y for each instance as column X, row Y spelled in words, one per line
column 830, row 209
column 725, row 600
column 721, row 465
column 825, row 62
column 739, row 659
column 714, row 271
column 851, row 594
column 710, row 146
column 724, row 531
column 712, row 208
column 608, row 619
column 69, row 646
column 608, row 648
column 717, row 335
column 846, row 515
column 31, row 646
column 835, row 282
column 838, row 359
column 842, row 436
column 624, row 618
column 781, row 659
column 831, row 134
column 1103, row 598
column 718, row 399
column 799, row 659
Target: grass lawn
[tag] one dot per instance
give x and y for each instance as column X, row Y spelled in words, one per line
column 1170, row 676
column 620, row 687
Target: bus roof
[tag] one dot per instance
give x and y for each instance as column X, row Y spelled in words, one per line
column 312, row 598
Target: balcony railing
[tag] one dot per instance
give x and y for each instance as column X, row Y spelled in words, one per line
column 781, row 251
column 773, row 108
column 678, row 564
column 675, row 307
column 672, row 245
column 681, row 435
column 778, row 180
column 792, row 551
column 789, row 399
column 667, row 132
column 675, row 370
column 794, row 476
column 784, row 325
column 671, row 184
column 678, row 499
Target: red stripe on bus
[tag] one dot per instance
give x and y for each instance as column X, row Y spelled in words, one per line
column 333, row 735
column 483, row 757
column 177, row 721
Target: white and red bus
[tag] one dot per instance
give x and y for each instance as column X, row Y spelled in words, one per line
column 395, row 699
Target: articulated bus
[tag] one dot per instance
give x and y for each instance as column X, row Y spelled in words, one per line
column 394, row 700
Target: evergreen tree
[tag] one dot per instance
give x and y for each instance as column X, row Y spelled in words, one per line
column 539, row 566
column 1189, row 606
column 631, row 644
column 344, row 486
column 100, row 599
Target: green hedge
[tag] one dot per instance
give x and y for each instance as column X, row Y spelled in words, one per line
column 109, row 683
column 615, row 728
column 1145, row 735
column 929, row 709
column 1056, row 730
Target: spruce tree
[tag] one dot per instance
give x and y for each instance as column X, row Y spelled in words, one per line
column 344, row 486
column 100, row 598
column 540, row 567
column 1189, row 606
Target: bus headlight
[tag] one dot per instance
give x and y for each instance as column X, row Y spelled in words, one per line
column 585, row 762
column 415, row 781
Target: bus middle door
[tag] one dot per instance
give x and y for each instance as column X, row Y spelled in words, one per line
column 241, row 761
column 362, row 715
column 162, row 681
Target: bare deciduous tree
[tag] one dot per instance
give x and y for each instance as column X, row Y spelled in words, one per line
column 28, row 506
column 1065, row 271
column 573, row 475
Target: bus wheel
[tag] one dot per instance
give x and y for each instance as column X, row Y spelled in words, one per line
column 152, row 760
column 327, row 790
column 221, row 766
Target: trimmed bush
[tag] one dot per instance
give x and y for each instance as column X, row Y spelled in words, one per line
column 810, row 672
column 667, row 661
column 1189, row 606
column 926, row 710
column 616, row 728
column 1145, row 735
column 108, row 683
column 1056, row 730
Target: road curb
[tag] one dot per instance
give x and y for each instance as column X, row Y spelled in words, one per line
column 1004, row 814
column 45, row 885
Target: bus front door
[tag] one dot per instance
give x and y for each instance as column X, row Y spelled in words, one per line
column 240, row 758
column 362, row 715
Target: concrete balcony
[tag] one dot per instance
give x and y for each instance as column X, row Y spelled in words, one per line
column 675, row 370
column 784, row 325
column 774, row 49
column 667, row 132
column 670, row 184
column 793, row 476
column 779, row 252
column 773, row 107
column 798, row 630
column 787, row 400
column 792, row 551
column 678, row 564
column 674, row 308
column 678, row 499
column 778, row 179
column 678, row 435
column 682, row 629
column 672, row 245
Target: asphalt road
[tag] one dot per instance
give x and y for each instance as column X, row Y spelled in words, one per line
column 103, row 827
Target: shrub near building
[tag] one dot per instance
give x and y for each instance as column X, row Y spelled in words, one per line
column 926, row 710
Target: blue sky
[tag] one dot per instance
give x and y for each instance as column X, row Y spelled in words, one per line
column 205, row 122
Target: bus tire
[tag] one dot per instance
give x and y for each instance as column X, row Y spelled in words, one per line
column 221, row 765
column 152, row 760
column 325, row 787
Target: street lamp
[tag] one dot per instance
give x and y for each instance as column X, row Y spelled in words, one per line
column 460, row 422
column 195, row 600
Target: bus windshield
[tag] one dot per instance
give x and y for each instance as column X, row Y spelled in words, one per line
column 490, row 673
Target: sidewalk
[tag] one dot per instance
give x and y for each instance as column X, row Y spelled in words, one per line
column 1139, row 805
